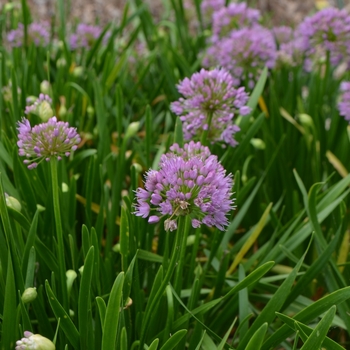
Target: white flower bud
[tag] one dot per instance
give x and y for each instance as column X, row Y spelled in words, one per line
column 45, row 111
column 34, row 342
column 13, row 203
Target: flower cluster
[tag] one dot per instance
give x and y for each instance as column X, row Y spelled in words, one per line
column 282, row 34
column 208, row 7
column 46, row 140
column 85, row 36
column 34, row 342
column 326, row 31
column 233, row 17
column 245, row 51
column 210, row 103
column 191, row 182
column 38, row 33
column 40, row 106
column 344, row 103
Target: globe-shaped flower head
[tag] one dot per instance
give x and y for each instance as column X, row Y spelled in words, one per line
column 191, row 182
column 210, row 102
column 344, row 103
column 53, row 139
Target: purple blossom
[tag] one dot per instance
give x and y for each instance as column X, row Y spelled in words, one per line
column 326, row 31
column 344, row 103
column 208, row 7
column 282, row 34
column 233, row 17
column 210, row 97
column 244, row 54
column 85, row 36
column 190, row 181
column 38, row 33
column 46, row 140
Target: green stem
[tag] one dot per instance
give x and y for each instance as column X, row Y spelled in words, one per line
column 204, row 137
column 180, row 233
column 59, row 233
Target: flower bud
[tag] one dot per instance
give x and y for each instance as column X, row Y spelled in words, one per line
column 34, row 342
column 258, row 143
column 90, row 111
column 45, row 111
column 45, row 87
column 71, row 276
column 13, row 203
column 62, row 111
column 61, row 62
column 305, row 119
column 78, row 71
column 29, row 295
column 132, row 129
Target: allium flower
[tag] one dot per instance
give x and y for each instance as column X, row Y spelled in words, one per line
column 34, row 342
column 38, row 33
column 344, row 103
column 234, row 16
column 45, row 141
column 208, row 7
column 210, row 97
column 85, row 36
column 191, row 182
column 244, row 53
column 282, row 34
column 326, row 31
column 40, row 106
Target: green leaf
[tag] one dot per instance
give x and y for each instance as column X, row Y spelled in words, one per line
column 257, row 339
column 307, row 315
column 101, row 309
column 178, row 134
column 67, row 325
column 110, row 325
column 318, row 335
column 174, row 340
column 84, row 303
column 275, row 303
column 328, row 343
column 154, row 344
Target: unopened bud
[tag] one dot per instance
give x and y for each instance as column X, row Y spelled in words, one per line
column 45, row 111
column 61, row 62
column 71, row 276
column 305, row 119
column 62, row 111
column 90, row 111
column 45, row 87
column 29, row 295
column 258, row 143
column 78, row 71
column 34, row 341
column 132, row 129
column 13, row 203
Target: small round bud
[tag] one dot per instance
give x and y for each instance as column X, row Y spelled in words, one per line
column 45, row 87
column 29, row 295
column 45, row 111
column 78, row 71
column 90, row 111
column 61, row 62
column 62, row 112
column 258, row 143
column 132, row 129
column 34, row 342
column 13, row 203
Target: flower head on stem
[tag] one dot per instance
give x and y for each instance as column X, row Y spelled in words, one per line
column 191, row 182
column 52, row 139
column 32, row 341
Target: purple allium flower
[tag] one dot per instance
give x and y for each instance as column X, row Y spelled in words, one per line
column 208, row 7
column 234, row 16
column 326, row 31
column 15, row 37
column 210, row 96
column 190, row 181
column 344, row 103
column 46, row 140
column 282, row 34
column 34, row 342
column 244, row 54
column 85, row 36
column 38, row 33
